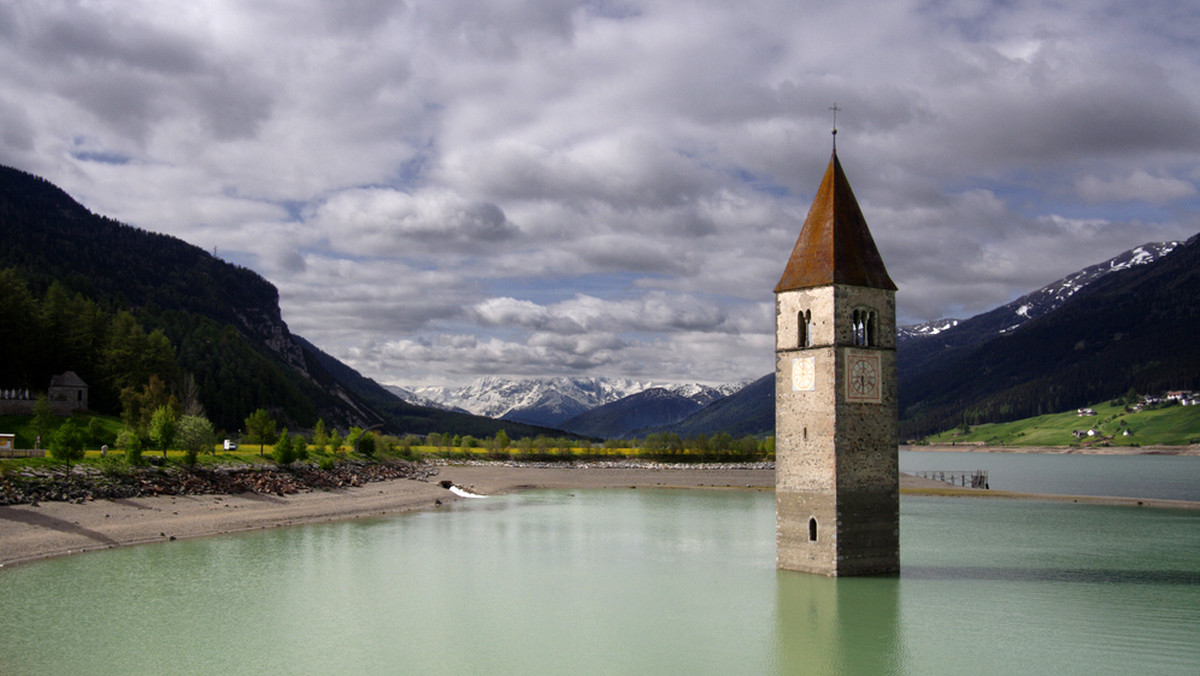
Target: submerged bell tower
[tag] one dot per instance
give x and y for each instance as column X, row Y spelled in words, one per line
column 837, row 482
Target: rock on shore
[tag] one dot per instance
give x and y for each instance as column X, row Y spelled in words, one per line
column 83, row 483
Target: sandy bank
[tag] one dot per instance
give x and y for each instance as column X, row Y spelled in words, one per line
column 910, row 485
column 55, row 528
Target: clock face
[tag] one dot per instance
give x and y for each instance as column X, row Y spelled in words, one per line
column 804, row 374
column 862, row 376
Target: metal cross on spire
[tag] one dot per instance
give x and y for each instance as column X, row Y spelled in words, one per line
column 835, row 110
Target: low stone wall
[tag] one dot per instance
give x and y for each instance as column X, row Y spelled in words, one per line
column 25, row 407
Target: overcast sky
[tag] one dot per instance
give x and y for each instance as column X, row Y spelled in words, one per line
column 444, row 189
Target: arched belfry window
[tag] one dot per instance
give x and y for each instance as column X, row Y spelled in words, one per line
column 864, row 325
column 804, row 328
column 812, row 529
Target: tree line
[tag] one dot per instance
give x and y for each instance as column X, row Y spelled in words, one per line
column 64, row 331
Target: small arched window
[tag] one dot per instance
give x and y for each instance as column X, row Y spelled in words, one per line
column 804, row 328
column 864, row 327
column 812, row 529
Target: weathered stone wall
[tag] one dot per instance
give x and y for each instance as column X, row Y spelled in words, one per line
column 794, row 550
column 836, row 460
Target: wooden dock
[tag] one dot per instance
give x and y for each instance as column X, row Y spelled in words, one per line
column 966, row 478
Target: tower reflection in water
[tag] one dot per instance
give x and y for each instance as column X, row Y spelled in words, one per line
column 827, row 625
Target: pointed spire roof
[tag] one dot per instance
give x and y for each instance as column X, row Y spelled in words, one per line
column 835, row 246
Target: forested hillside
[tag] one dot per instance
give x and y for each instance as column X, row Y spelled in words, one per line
column 117, row 305
column 59, row 330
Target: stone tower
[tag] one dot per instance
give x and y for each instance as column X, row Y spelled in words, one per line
column 837, row 485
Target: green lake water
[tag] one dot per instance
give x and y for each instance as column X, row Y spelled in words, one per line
column 623, row 582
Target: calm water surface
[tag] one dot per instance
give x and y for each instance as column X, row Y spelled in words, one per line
column 624, row 582
column 1170, row 477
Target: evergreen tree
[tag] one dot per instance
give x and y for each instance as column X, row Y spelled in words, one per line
column 320, row 437
column 19, row 328
column 284, row 454
column 66, row 444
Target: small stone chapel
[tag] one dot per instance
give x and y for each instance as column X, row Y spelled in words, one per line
column 837, row 481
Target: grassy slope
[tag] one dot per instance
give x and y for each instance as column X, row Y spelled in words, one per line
column 22, row 426
column 1171, row 426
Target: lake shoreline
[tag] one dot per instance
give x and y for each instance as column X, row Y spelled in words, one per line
column 1193, row 450
column 49, row 529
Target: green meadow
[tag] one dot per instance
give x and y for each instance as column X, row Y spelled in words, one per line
column 1167, row 426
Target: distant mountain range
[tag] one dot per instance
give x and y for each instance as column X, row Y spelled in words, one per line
column 570, row 404
column 941, row 368
column 1129, row 322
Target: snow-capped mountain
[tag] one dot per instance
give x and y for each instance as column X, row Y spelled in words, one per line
column 706, row 394
column 932, row 328
column 547, row 401
column 1047, row 298
column 1033, row 305
column 418, row 400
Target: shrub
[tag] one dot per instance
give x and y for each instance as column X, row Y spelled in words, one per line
column 132, row 443
column 111, row 465
column 195, row 433
column 365, row 445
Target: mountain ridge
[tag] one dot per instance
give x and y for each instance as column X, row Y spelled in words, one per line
column 916, row 344
column 223, row 321
column 1130, row 328
column 550, row 401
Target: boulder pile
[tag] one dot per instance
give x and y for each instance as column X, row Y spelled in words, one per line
column 83, row 482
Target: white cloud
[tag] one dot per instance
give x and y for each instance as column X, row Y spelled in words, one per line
column 1139, row 185
column 386, row 222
